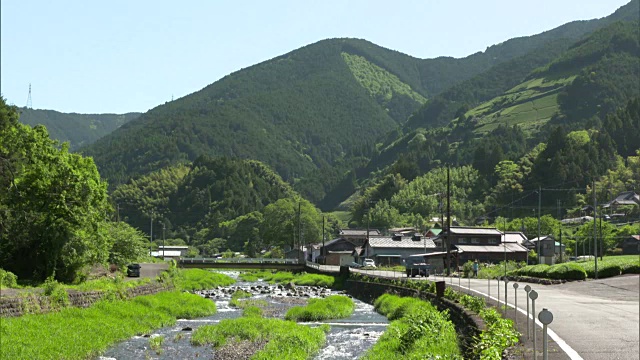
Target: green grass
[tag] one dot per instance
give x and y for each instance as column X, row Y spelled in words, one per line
column 198, row 279
column 303, row 279
column 75, row 333
column 243, row 304
column 286, row 340
column 612, row 266
column 107, row 284
column 418, row 331
column 530, row 105
column 332, row 307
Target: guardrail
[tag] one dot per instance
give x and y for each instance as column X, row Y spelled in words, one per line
column 238, row 261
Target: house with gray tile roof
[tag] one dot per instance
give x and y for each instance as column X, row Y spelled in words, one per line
column 390, row 250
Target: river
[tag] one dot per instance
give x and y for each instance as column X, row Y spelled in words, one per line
column 348, row 338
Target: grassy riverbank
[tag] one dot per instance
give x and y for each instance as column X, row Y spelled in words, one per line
column 418, row 331
column 499, row 334
column 75, row 333
column 303, row 279
column 332, row 307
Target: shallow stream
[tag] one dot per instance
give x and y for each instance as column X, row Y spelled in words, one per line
column 348, row 338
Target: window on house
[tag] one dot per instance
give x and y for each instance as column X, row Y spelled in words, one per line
column 493, row 241
column 475, row 241
column 463, row 241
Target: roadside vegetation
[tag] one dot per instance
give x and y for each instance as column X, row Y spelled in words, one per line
column 607, row 267
column 417, row 331
column 75, row 333
column 499, row 334
column 332, row 307
column 284, row 340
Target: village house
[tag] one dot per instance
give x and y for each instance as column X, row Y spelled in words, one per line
column 549, row 248
column 390, row 250
column 486, row 245
column 631, row 245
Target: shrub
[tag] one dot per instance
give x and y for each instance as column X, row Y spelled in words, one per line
column 608, row 270
column 8, row 279
column 631, row 269
column 568, row 271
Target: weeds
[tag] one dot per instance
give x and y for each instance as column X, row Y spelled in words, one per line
column 332, row 307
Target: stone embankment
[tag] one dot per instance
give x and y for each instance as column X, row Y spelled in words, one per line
column 30, row 302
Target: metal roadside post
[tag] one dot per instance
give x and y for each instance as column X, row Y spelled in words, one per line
column 489, row 287
column 545, row 317
column 469, row 285
column 506, row 281
column 459, row 286
column 515, row 302
column 498, row 293
column 527, row 288
column 534, row 295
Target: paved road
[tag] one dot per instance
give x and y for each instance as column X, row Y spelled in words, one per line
column 593, row 320
column 597, row 319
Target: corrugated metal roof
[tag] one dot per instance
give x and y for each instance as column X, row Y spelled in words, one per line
column 173, row 247
column 510, row 248
column 405, row 242
column 170, row 253
column 514, row 237
column 474, row 231
column 358, row 232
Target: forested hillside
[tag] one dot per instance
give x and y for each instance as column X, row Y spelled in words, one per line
column 77, row 129
column 575, row 90
column 318, row 112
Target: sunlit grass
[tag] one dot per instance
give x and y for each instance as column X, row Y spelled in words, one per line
column 332, row 307
column 75, row 333
column 286, row 340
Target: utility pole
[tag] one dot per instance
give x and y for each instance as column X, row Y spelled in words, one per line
column 118, row 216
column 595, row 235
column 448, row 220
column 323, row 249
column 163, row 247
column 151, row 234
column 299, row 232
column 366, row 252
column 560, row 219
column 539, row 210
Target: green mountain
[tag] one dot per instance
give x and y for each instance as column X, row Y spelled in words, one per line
column 78, row 129
column 578, row 87
column 319, row 112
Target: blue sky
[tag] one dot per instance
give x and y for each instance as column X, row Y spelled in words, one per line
column 121, row 56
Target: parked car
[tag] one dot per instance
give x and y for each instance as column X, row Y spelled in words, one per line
column 369, row 263
column 355, row 265
column 415, row 266
column 133, row 270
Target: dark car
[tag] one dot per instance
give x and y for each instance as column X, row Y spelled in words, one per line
column 133, row 270
column 355, row 265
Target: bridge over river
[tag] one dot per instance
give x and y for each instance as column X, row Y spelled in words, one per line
column 293, row 265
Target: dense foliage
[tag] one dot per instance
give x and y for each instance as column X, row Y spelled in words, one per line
column 51, row 204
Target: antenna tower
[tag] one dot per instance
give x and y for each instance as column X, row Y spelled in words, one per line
column 29, row 104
